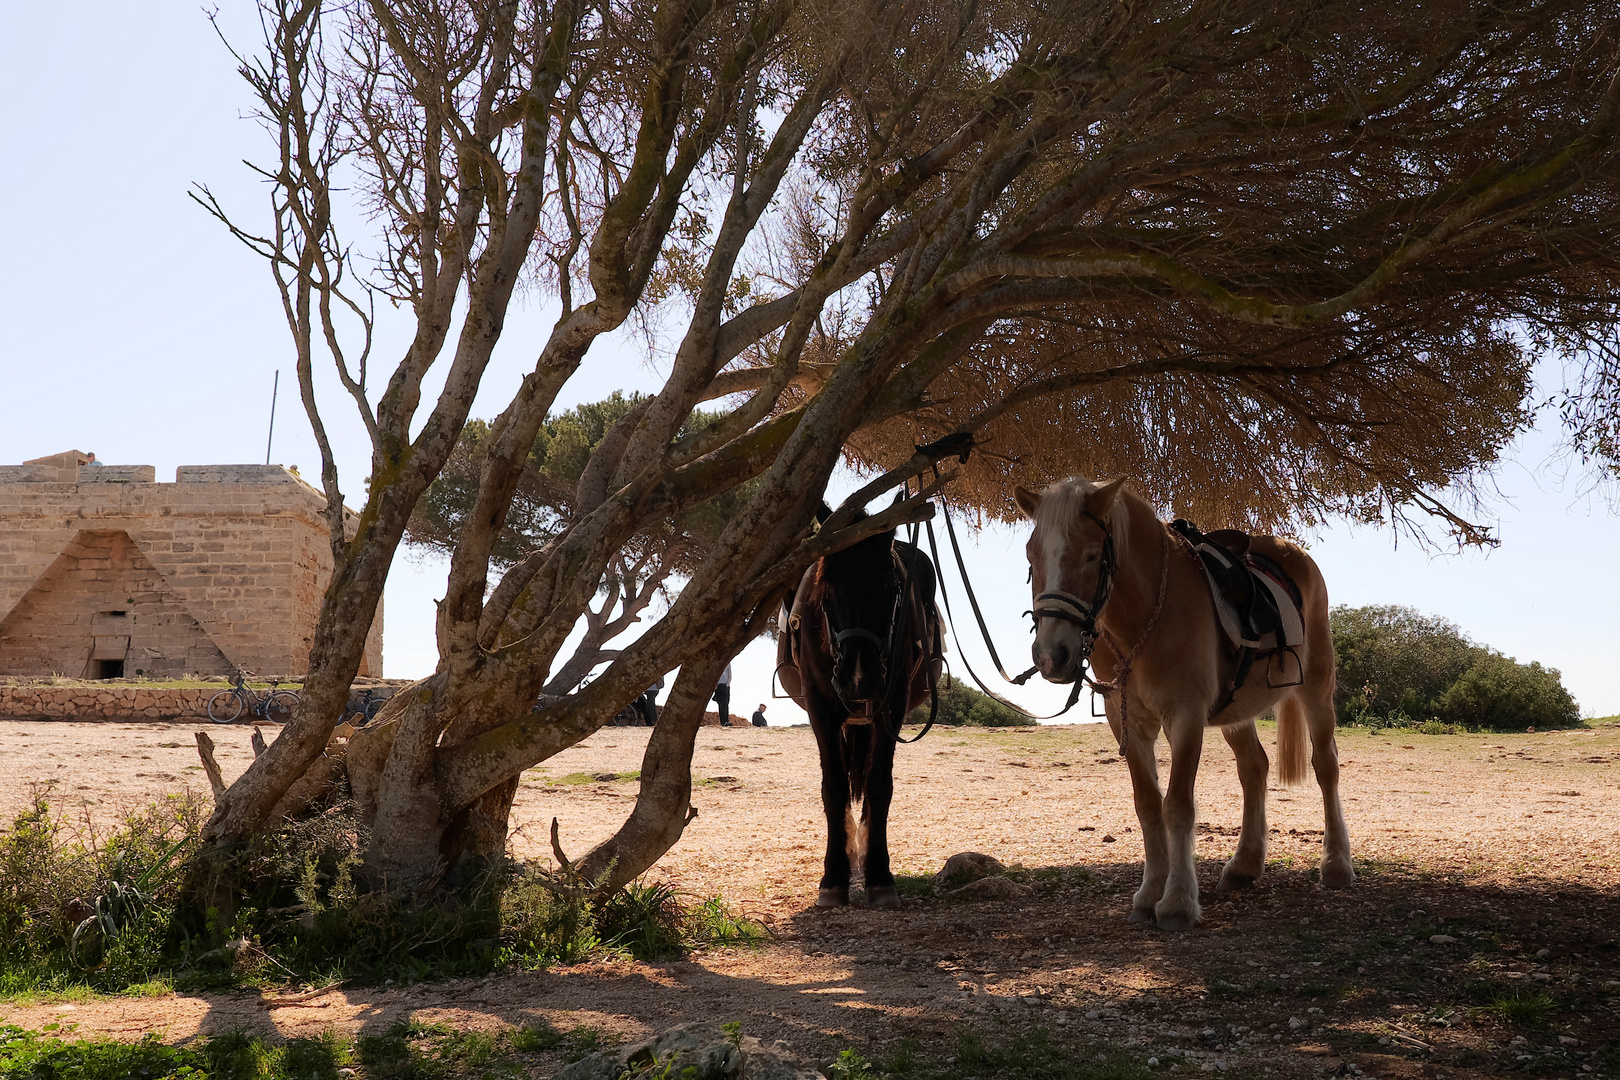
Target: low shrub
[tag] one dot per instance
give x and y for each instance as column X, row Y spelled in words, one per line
column 78, row 907
column 962, row 706
column 1498, row 694
column 80, row 911
column 1400, row 668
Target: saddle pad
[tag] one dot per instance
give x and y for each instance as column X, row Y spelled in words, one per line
column 1292, row 631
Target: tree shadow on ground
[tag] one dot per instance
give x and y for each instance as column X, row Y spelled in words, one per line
column 1408, row 973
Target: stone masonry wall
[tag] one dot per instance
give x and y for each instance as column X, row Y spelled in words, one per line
column 223, row 569
column 112, row 702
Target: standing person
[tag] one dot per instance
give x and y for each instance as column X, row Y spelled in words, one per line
column 758, row 719
column 647, row 703
column 722, row 696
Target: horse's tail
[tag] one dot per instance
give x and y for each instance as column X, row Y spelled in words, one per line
column 1290, row 741
column 854, row 840
column 857, row 758
column 857, row 762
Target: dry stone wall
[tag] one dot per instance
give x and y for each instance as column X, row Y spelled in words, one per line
column 110, row 702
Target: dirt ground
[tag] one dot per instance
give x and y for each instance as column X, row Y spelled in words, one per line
column 1489, row 872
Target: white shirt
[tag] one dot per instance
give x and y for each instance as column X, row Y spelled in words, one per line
column 725, row 676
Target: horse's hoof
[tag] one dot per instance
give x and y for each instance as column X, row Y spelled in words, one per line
column 884, row 897
column 1141, row 915
column 1233, row 880
column 832, row 898
column 1338, row 876
column 1175, row 921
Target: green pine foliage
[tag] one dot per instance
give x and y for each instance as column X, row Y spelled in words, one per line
column 1398, row 667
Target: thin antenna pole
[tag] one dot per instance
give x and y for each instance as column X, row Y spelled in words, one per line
column 274, row 389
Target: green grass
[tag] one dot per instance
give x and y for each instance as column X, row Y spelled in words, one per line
column 409, row 1050
column 48, row 1053
column 1520, row 1007
column 596, row 778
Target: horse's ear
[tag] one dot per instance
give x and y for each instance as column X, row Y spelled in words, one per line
column 1028, row 501
column 1101, row 500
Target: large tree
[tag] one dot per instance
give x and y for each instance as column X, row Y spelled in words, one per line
column 1273, row 261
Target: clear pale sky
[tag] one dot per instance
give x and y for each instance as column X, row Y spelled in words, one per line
column 132, row 326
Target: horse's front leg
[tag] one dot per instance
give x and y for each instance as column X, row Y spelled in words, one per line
column 1144, row 769
column 880, row 889
column 1253, row 766
column 1178, row 908
column 834, row 890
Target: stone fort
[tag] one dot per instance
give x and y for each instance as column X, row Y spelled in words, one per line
column 105, row 573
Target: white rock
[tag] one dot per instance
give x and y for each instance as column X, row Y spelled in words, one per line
column 1568, row 1040
column 1295, row 1023
column 1442, row 939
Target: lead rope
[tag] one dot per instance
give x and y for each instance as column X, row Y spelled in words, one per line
column 1118, row 682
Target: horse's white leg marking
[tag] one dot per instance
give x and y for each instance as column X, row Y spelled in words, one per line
column 1252, row 765
column 1139, row 756
column 1337, row 868
column 1178, row 909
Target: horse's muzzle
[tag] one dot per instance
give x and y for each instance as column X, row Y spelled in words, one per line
column 1057, row 664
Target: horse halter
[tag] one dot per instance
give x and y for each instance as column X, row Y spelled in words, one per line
column 1062, row 605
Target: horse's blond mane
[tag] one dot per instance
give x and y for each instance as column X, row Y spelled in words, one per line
column 1064, row 501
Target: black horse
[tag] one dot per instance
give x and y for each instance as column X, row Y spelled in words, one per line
column 861, row 646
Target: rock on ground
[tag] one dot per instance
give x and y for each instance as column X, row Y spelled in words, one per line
column 966, row 866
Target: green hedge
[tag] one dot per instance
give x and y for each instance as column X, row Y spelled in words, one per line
column 1398, row 667
column 962, row 706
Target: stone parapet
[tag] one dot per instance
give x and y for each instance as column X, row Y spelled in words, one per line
column 118, row 474
column 233, row 474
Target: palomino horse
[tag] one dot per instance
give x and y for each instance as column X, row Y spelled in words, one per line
column 1163, row 662
column 860, row 649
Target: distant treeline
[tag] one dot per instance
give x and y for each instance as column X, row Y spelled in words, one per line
column 1398, row 667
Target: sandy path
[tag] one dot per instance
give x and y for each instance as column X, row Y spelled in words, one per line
column 1451, row 822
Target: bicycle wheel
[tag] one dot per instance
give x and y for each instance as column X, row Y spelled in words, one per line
column 225, row 706
column 280, row 706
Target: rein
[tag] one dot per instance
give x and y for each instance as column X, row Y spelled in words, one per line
column 984, row 631
column 1127, row 659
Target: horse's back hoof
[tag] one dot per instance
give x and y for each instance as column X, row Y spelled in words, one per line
column 1176, row 921
column 1141, row 915
column 833, row 898
column 884, row 897
column 1337, row 877
column 1231, row 881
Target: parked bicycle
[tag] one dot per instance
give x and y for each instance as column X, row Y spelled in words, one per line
column 363, row 707
column 275, row 705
